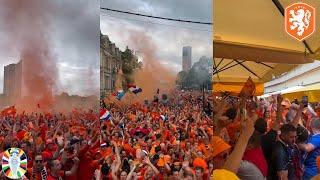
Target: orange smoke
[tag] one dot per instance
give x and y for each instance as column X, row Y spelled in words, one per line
column 153, row 75
column 150, row 78
column 28, row 27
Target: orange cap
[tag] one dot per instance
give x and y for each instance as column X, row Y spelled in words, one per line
column 218, row 145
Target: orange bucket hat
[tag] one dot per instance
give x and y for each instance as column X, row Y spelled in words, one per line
column 218, row 146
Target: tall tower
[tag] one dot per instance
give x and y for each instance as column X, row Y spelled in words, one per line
column 12, row 80
column 186, row 58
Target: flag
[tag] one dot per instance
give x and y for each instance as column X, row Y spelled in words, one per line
column 9, row 111
column 119, row 94
column 105, row 114
column 248, row 89
column 134, row 89
column 164, row 118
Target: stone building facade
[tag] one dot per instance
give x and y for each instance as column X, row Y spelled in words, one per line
column 110, row 63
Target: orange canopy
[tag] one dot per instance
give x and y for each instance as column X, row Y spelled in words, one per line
column 235, row 88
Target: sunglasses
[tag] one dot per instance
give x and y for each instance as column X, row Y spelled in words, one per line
column 38, row 161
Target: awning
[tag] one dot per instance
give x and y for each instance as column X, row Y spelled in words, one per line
column 250, row 40
column 235, row 88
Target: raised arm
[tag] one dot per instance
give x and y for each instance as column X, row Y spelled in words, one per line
column 56, row 130
column 276, row 125
column 118, row 164
column 148, row 162
column 74, row 167
column 297, row 118
column 233, row 162
column 306, row 147
column 57, row 152
column 129, row 177
column 64, row 155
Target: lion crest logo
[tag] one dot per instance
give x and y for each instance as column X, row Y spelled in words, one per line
column 300, row 20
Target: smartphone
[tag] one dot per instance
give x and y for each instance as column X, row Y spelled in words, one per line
column 305, row 101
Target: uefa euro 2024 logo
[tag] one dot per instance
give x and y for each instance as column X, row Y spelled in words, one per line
column 14, row 163
column 300, row 20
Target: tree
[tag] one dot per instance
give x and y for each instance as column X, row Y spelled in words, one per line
column 197, row 76
column 129, row 64
column 181, row 79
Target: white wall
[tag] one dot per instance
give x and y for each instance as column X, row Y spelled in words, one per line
column 302, row 75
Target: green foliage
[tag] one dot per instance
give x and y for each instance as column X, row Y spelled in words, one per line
column 197, row 76
column 129, row 64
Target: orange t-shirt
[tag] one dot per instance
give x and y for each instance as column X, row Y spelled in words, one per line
column 61, row 174
column 86, row 169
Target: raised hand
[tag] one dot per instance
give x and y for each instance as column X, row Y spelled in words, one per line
column 60, row 142
column 248, row 125
column 279, row 99
column 114, row 144
column 76, row 160
column 146, row 160
column 66, row 144
column 301, row 107
column 220, row 106
column 185, row 164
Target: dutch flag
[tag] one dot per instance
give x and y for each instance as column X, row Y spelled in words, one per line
column 119, row 94
column 164, row 118
column 105, row 114
column 134, row 89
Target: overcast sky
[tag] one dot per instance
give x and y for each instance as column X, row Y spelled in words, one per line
column 74, row 35
column 169, row 38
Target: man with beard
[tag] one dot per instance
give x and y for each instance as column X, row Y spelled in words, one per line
column 281, row 159
column 38, row 171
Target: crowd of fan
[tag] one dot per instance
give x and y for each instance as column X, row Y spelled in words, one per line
column 187, row 135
